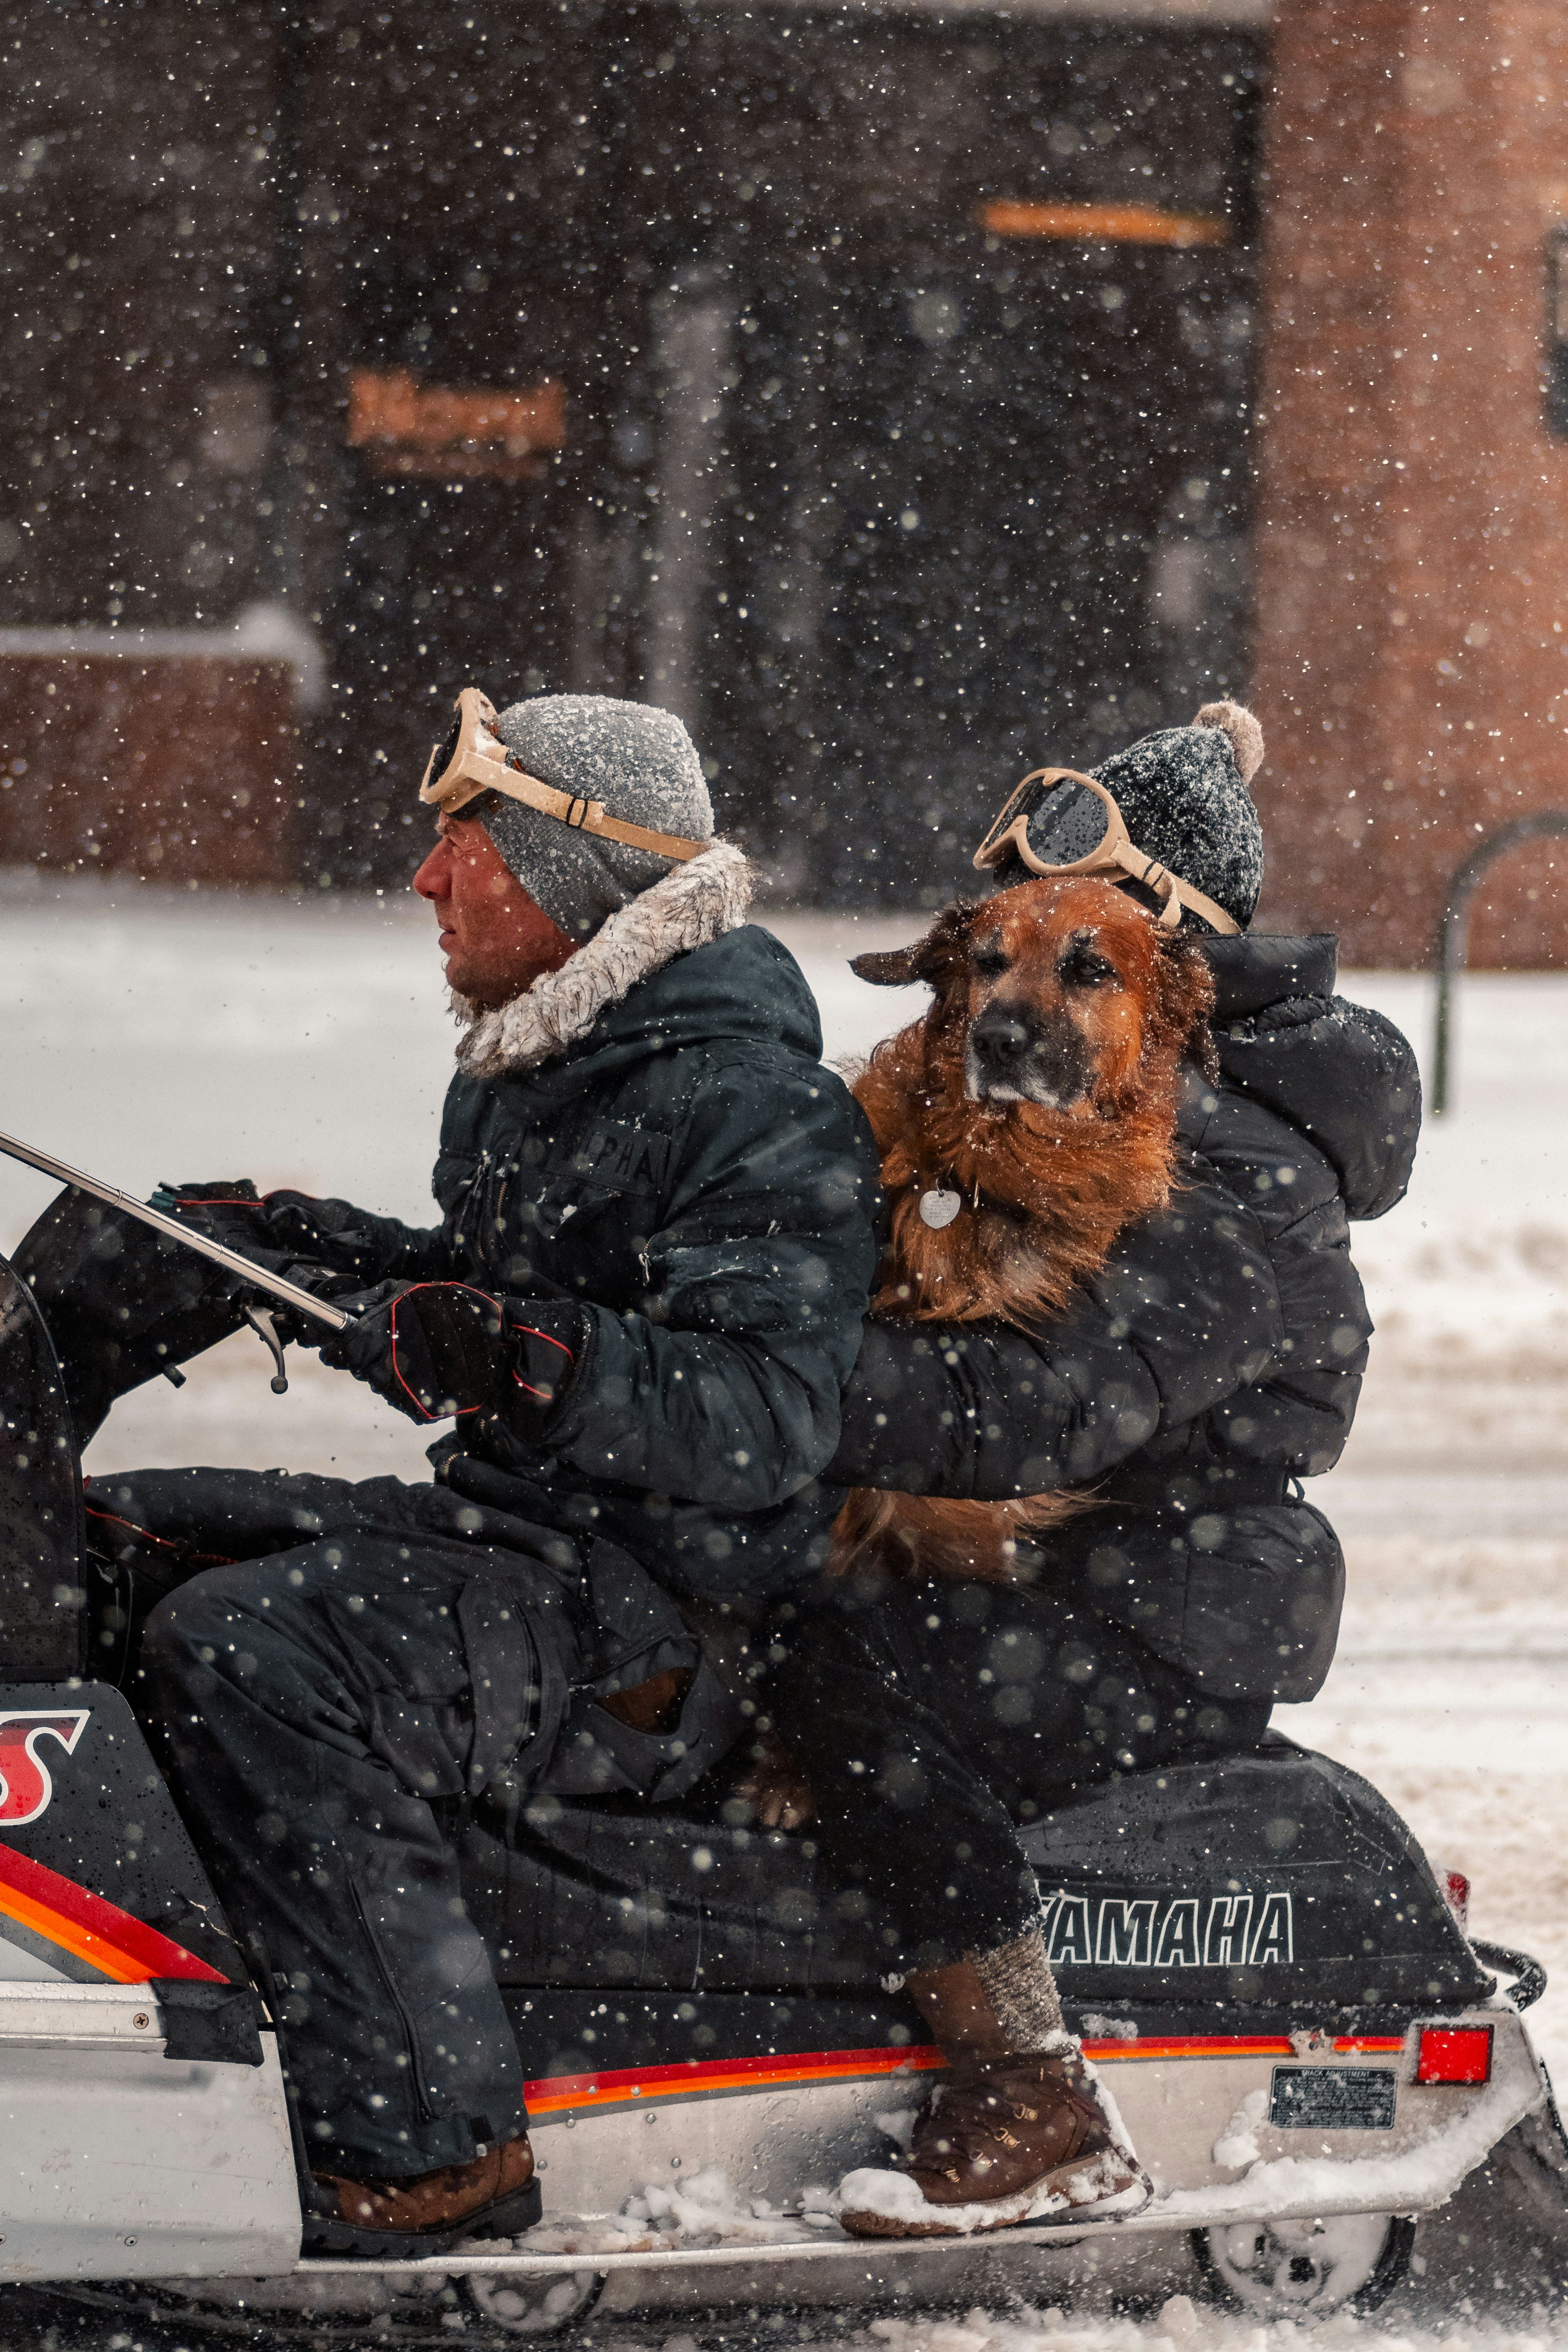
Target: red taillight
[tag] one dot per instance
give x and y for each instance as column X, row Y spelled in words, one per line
column 1456, row 1889
column 1454, row 2054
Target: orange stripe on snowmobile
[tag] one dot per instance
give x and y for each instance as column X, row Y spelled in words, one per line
column 623, row 2087
column 100, row 1933
column 620, row 2086
column 1234, row 2045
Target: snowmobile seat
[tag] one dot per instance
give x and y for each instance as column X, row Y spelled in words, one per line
column 1270, row 1878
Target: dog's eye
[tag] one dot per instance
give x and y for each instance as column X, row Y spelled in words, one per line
column 989, row 962
column 1084, row 967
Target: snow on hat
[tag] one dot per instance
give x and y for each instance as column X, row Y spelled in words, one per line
column 643, row 766
column 1184, row 795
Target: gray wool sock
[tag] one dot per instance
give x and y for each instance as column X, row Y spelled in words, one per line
column 1022, row 1993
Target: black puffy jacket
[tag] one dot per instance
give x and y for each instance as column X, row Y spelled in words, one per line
column 706, row 1192
column 694, row 1176
column 1217, row 1359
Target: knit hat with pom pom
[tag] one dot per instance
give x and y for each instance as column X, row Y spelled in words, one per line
column 1184, row 795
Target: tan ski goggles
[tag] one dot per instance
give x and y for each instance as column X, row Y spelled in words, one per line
column 1059, row 822
column 475, row 761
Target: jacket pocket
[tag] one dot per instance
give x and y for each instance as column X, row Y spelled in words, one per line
column 521, row 1645
column 599, row 1756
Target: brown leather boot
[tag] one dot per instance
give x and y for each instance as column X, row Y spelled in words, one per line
column 496, row 2194
column 1000, row 2140
column 1007, row 2134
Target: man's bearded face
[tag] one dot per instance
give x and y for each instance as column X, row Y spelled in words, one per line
column 495, row 938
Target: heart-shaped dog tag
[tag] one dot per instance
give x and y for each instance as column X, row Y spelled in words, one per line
column 938, row 1208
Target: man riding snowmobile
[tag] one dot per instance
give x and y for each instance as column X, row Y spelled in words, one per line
column 642, row 1303
column 928, row 1717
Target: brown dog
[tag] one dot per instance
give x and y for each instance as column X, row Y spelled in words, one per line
column 1022, row 1123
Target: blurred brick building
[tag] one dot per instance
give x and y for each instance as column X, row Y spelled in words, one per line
column 906, row 397
column 1411, row 659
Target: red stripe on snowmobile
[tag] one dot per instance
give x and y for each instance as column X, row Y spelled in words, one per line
column 697, row 2079
column 1233, row 2046
column 108, row 1939
column 627, row 2086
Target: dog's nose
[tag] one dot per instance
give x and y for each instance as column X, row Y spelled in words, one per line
column 1001, row 1039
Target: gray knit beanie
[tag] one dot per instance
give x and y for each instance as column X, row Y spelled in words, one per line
column 1184, row 795
column 639, row 761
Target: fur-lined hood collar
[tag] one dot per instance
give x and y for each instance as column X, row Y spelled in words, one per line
column 695, row 904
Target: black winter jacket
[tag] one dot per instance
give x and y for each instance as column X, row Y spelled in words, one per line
column 1218, row 1357
column 692, row 1176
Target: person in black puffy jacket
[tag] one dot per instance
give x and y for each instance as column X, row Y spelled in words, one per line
column 1214, row 1363
column 632, row 1327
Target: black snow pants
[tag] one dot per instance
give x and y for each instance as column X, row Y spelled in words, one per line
column 931, row 1718
column 377, row 1658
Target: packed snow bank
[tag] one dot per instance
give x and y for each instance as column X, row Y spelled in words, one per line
column 1472, row 1270
column 1179, row 2326
column 703, row 2211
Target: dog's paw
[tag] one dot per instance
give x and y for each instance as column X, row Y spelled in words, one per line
column 778, row 1790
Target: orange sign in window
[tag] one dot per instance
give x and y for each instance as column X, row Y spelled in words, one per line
column 1104, row 224
column 451, row 432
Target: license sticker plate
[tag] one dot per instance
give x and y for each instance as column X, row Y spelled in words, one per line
column 1333, row 2098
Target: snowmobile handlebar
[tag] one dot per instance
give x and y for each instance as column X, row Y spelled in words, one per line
column 1529, row 1976
column 256, row 1277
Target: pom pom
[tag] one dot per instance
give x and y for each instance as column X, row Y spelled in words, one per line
column 1234, row 719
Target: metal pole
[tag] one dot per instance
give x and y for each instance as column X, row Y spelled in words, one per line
column 290, row 1293
column 1451, row 937
column 694, row 324
column 1453, row 928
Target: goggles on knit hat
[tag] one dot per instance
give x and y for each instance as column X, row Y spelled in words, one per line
column 476, row 762
column 1059, row 822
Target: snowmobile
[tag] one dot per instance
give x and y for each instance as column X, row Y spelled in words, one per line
column 1315, row 2061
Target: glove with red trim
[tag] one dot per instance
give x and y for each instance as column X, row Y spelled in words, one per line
column 435, row 1348
column 330, row 1245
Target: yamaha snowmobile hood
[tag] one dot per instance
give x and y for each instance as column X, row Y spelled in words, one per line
column 1339, row 1072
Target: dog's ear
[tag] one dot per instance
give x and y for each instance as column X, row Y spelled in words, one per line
column 1187, row 998
column 929, row 959
column 896, row 970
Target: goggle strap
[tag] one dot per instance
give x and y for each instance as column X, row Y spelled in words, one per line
column 483, row 775
column 1177, row 893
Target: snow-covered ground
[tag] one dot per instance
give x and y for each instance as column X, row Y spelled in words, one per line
column 1179, row 2327
column 154, row 1034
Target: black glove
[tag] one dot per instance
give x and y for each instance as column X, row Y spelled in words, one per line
column 330, row 1247
column 229, row 1210
column 435, row 1348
